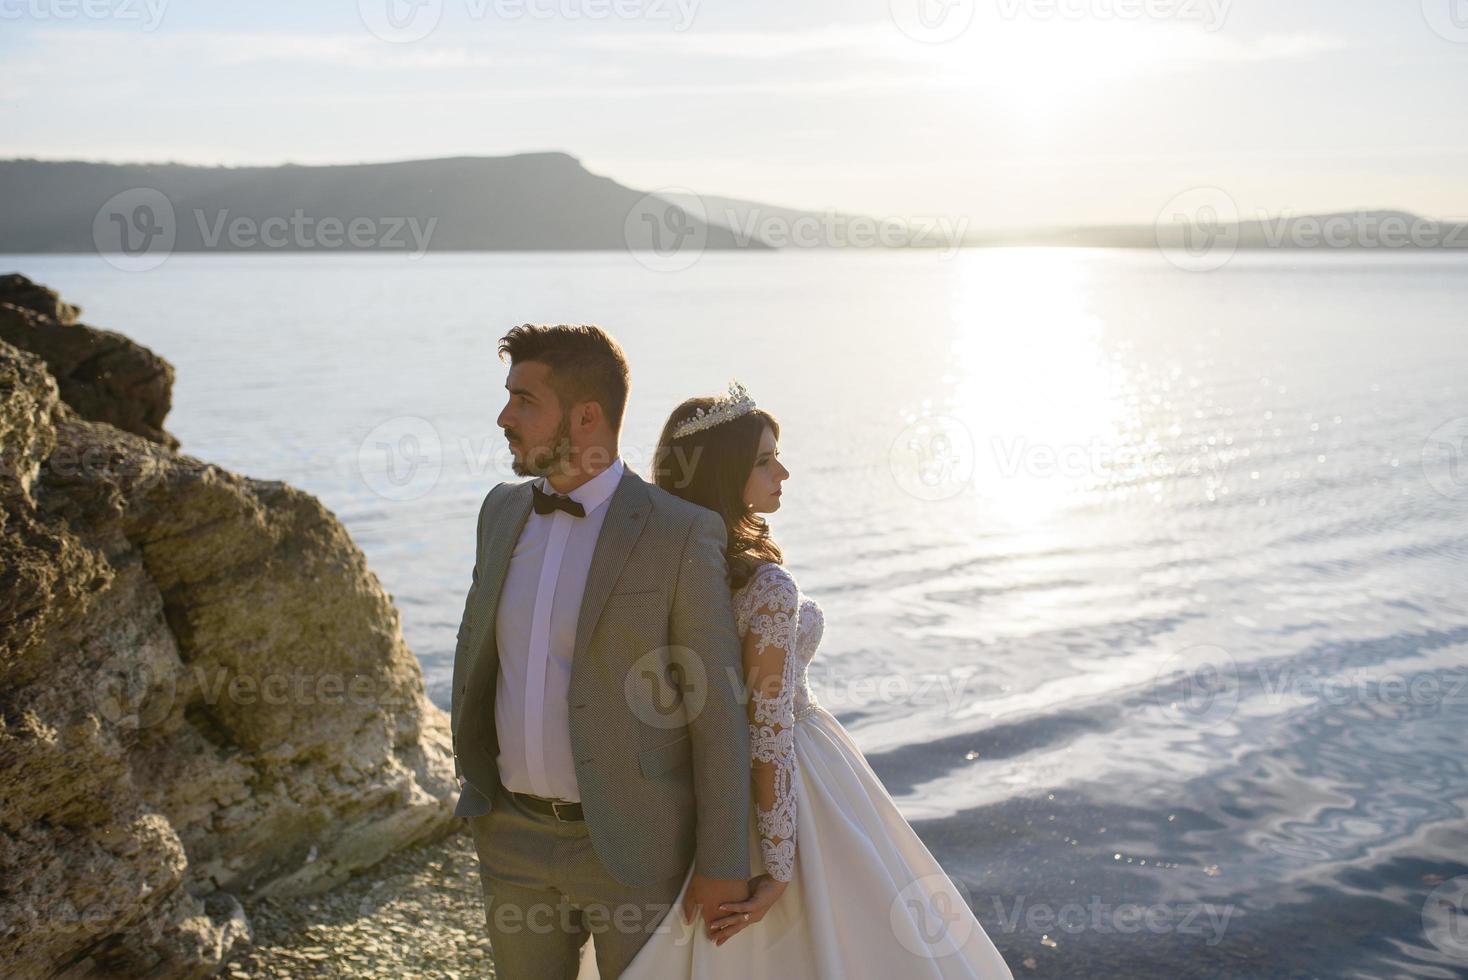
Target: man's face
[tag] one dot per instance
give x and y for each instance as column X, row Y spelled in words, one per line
column 539, row 433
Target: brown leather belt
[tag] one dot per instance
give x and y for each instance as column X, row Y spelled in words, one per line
column 555, row 808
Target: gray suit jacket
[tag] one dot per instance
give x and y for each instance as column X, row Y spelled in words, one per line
column 659, row 731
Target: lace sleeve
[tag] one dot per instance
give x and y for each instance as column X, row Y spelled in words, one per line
column 770, row 663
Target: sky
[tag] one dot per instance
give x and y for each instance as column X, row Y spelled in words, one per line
column 1007, row 113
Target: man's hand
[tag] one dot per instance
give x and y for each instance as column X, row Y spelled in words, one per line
column 706, row 894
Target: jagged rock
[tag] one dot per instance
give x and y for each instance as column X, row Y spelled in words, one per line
column 104, row 376
column 20, row 291
column 204, row 695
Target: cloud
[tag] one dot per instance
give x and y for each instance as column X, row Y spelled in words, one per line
column 128, row 66
column 1274, row 47
column 854, row 39
column 1157, row 41
column 97, row 50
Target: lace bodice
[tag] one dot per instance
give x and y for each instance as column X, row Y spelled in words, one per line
column 781, row 630
column 773, row 581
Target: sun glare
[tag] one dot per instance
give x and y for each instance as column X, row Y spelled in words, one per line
column 1034, row 385
column 1040, row 71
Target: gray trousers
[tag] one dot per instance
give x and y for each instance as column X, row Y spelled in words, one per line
column 545, row 890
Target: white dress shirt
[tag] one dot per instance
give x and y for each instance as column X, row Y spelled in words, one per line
column 535, row 629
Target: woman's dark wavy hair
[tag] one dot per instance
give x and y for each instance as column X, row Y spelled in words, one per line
column 710, row 468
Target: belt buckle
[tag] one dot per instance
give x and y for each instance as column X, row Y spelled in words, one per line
column 556, row 809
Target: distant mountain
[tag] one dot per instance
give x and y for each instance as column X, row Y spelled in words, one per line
column 784, row 227
column 1376, row 229
column 748, row 220
column 540, row 202
column 532, row 201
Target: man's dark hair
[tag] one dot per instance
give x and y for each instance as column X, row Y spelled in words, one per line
column 586, row 364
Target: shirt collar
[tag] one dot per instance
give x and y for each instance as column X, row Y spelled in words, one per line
column 591, row 494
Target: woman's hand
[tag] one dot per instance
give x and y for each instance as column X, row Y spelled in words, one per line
column 764, row 892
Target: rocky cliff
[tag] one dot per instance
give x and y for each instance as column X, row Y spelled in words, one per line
column 204, row 691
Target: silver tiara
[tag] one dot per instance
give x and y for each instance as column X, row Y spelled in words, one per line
column 731, row 406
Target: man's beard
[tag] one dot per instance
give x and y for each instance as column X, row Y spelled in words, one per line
column 541, row 460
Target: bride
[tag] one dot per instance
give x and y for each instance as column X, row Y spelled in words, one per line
column 848, row 889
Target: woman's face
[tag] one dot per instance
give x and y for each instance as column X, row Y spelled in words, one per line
column 762, row 490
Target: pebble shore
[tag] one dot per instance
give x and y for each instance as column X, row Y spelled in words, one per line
column 419, row 914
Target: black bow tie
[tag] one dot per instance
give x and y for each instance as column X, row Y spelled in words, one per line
column 547, row 502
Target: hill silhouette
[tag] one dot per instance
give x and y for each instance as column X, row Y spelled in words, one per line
column 531, row 201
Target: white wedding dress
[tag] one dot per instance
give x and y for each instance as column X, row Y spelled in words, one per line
column 866, row 898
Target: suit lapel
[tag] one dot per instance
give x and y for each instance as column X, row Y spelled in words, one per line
column 627, row 512
column 500, row 547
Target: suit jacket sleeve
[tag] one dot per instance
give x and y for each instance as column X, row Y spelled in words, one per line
column 703, row 622
column 471, row 604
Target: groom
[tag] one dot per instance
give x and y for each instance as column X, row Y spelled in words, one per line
column 599, row 739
